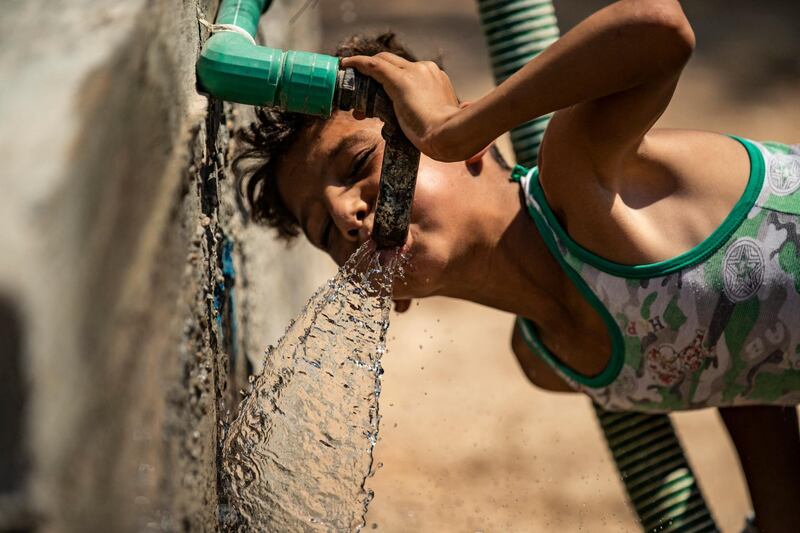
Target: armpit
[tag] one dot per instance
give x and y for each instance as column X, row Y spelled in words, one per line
column 535, row 368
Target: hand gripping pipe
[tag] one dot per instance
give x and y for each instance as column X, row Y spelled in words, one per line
column 657, row 477
column 233, row 68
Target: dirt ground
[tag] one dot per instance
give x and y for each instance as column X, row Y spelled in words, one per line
column 466, row 443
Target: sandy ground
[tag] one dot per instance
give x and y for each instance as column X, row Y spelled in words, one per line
column 467, row 444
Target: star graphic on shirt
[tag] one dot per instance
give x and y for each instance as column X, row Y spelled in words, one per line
column 784, row 174
column 744, row 269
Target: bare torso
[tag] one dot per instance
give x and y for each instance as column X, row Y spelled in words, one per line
column 666, row 198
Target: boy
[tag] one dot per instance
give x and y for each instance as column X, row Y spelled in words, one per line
column 617, row 296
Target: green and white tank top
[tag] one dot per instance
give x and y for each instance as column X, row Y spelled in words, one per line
column 718, row 325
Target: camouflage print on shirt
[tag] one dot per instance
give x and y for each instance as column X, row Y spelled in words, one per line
column 720, row 330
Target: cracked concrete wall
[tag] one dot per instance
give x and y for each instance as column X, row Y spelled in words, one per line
column 121, row 348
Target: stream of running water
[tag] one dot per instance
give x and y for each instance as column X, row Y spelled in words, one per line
column 298, row 454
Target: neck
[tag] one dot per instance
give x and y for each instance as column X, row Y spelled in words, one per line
column 510, row 267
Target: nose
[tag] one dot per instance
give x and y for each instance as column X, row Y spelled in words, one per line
column 352, row 221
column 358, row 228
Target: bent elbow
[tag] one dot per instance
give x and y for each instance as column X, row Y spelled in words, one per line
column 667, row 19
column 669, row 15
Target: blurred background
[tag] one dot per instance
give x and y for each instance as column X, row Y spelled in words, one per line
column 133, row 294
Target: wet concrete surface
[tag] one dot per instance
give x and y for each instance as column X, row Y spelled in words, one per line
column 117, row 212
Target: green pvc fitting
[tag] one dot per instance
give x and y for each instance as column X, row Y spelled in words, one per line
column 657, row 477
column 232, row 68
column 242, row 13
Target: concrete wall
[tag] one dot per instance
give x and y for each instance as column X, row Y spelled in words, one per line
column 124, row 335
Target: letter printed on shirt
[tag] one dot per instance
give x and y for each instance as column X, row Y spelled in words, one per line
column 656, row 323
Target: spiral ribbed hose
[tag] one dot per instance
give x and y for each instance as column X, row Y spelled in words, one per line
column 516, row 31
column 659, row 481
column 660, row 484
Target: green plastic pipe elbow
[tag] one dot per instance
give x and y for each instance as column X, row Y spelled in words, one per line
column 243, row 13
column 232, row 68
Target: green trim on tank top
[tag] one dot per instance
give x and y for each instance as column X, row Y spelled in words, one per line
column 685, row 260
column 528, row 328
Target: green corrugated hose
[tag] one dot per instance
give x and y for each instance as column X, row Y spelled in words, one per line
column 659, row 481
column 660, row 484
column 517, row 30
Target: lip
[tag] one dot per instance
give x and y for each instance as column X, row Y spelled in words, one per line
column 403, row 251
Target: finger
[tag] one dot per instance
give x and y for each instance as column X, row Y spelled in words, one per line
column 381, row 70
column 430, row 65
column 464, row 104
column 394, row 59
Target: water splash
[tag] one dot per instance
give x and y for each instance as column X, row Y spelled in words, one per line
column 297, row 456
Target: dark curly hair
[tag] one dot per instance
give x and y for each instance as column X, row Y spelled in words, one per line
column 272, row 134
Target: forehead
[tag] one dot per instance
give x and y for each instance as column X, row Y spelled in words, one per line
column 303, row 167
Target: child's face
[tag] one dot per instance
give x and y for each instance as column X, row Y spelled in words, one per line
column 329, row 180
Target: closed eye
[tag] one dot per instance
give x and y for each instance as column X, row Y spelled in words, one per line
column 359, row 163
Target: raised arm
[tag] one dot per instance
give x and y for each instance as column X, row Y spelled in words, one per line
column 616, row 71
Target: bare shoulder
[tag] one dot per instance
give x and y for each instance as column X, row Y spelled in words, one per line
column 682, row 157
column 625, row 209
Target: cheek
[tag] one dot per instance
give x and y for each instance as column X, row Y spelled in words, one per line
column 425, row 270
column 438, row 186
column 434, row 227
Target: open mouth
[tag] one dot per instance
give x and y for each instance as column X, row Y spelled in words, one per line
column 401, row 254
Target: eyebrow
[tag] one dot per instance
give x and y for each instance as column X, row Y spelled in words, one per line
column 345, row 143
